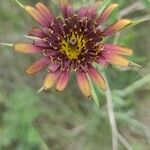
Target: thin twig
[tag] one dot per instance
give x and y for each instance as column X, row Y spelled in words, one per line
column 124, row 142
column 115, row 134
column 133, row 7
column 111, row 115
column 136, row 85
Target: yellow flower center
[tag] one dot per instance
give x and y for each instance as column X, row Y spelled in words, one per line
column 73, row 45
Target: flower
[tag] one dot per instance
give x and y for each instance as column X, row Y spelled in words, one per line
column 73, row 42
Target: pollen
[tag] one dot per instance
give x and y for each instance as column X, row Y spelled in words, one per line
column 73, row 46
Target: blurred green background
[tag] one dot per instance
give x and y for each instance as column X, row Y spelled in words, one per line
column 69, row 121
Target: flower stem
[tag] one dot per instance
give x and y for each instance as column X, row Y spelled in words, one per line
column 111, row 115
column 124, row 142
column 115, row 133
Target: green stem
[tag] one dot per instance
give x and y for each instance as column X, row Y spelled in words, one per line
column 111, row 114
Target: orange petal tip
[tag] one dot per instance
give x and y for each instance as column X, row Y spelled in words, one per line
column 50, row 80
column 119, row 60
column 121, row 24
column 84, row 84
column 115, row 5
column 26, row 48
column 126, row 21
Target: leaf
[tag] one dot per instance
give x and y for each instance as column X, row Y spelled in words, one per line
column 93, row 91
column 103, row 6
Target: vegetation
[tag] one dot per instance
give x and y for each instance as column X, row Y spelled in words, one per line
column 31, row 121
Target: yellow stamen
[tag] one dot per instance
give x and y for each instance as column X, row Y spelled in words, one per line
column 73, row 45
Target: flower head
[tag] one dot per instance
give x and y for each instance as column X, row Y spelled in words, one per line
column 73, row 42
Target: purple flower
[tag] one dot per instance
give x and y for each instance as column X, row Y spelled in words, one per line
column 73, row 42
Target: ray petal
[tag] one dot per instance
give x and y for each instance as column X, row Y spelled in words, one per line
column 62, row 81
column 97, row 78
column 105, row 14
column 117, row 60
column 102, row 61
column 83, row 83
column 50, row 80
column 66, row 8
column 38, row 65
column 116, row 27
column 37, row 32
column 53, row 67
column 41, row 43
column 89, row 12
column 37, row 15
column 118, row 49
column 44, row 11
